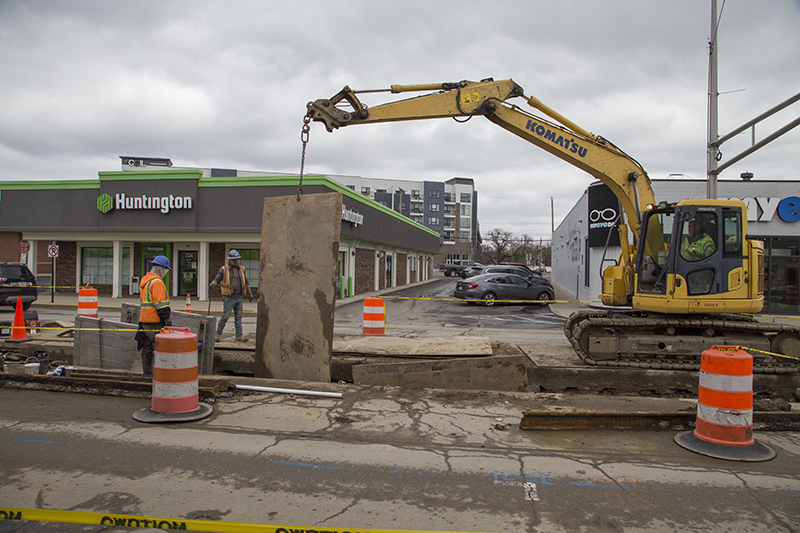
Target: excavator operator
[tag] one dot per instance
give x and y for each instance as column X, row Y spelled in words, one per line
column 697, row 244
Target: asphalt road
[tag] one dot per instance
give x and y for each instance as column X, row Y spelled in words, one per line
column 429, row 310
column 377, row 458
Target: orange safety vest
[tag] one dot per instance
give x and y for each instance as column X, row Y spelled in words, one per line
column 153, row 295
column 225, row 284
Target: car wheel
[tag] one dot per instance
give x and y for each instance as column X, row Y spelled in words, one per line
column 452, row 273
column 543, row 297
column 489, row 299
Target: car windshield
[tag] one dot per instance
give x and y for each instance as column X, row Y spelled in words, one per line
column 12, row 271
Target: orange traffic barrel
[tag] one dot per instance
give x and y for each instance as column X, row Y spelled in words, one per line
column 175, row 379
column 87, row 302
column 724, row 425
column 374, row 316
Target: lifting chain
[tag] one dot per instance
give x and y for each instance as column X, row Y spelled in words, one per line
column 303, row 137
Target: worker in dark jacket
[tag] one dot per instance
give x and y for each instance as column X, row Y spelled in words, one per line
column 154, row 313
column 233, row 283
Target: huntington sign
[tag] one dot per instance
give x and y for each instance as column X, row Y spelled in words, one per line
column 165, row 204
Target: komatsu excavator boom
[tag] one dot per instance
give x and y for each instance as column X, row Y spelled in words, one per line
column 672, row 292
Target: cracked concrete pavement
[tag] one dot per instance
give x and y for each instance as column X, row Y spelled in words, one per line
column 382, row 457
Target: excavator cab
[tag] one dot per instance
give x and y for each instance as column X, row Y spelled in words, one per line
column 693, row 257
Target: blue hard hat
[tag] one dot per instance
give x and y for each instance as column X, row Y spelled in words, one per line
column 161, row 261
column 233, row 254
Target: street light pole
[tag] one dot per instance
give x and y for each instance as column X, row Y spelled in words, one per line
column 712, row 148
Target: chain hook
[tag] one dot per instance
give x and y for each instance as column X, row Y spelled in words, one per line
column 304, row 139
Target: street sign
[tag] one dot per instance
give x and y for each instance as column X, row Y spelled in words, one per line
column 24, row 247
column 52, row 250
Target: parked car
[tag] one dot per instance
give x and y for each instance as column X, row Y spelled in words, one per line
column 17, row 281
column 474, row 270
column 454, row 268
column 489, row 288
column 508, row 269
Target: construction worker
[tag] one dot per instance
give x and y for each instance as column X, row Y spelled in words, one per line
column 697, row 244
column 233, row 282
column 154, row 312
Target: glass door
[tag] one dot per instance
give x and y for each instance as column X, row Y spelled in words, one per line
column 187, row 272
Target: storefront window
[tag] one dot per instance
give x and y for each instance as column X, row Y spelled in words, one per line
column 97, row 266
column 249, row 261
column 783, row 275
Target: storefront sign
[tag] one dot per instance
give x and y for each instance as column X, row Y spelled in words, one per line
column 763, row 209
column 165, row 204
column 603, row 216
column 348, row 215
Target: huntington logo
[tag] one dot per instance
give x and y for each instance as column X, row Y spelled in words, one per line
column 105, row 203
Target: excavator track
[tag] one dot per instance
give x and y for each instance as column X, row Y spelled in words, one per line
column 629, row 338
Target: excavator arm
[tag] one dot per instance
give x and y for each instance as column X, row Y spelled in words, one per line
column 557, row 134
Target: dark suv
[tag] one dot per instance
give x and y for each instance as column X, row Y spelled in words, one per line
column 17, row 281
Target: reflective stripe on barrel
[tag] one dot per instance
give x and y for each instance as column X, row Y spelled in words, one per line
column 175, row 375
column 725, row 400
column 87, row 302
column 374, row 316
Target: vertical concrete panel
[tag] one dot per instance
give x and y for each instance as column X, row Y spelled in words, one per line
column 297, row 282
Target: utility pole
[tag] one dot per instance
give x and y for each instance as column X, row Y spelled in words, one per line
column 552, row 218
column 712, row 147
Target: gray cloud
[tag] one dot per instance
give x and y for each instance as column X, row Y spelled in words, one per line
column 225, row 85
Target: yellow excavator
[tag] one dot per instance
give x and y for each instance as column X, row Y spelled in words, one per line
column 679, row 288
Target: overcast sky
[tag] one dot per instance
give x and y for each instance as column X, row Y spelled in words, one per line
column 225, row 84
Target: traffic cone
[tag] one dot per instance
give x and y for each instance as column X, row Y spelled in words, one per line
column 188, row 308
column 18, row 329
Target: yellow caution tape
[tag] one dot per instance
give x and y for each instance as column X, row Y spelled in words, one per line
column 158, row 522
column 773, row 317
column 47, row 286
column 769, row 353
column 493, row 301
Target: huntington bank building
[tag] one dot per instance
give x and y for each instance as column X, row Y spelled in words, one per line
column 773, row 213
column 104, row 231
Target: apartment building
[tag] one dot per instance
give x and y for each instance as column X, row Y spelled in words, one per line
column 449, row 208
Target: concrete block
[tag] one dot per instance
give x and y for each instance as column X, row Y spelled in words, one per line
column 204, row 326
column 413, row 347
column 299, row 257
column 102, row 343
column 501, row 373
column 646, row 382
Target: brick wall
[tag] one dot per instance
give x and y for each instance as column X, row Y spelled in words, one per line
column 365, row 267
column 9, row 242
column 65, row 266
column 400, row 274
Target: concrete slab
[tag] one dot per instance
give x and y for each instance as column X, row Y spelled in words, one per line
column 410, row 347
column 645, row 382
column 499, row 373
column 103, row 343
column 299, row 257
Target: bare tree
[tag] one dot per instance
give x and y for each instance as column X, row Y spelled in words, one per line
column 502, row 246
column 498, row 246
